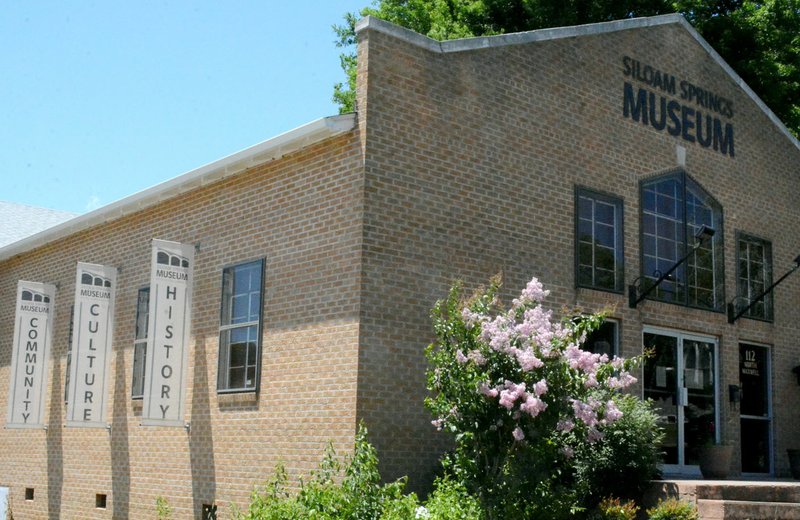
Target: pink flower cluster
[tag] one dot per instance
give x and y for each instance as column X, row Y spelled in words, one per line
column 511, row 393
column 589, row 414
column 533, row 292
column 530, row 336
column 474, row 355
column 528, row 342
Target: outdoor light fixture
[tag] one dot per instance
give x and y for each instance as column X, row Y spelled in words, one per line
column 634, row 296
column 733, row 315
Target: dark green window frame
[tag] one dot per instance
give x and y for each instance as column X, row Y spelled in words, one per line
column 599, row 252
column 240, row 330
column 673, row 207
column 604, row 339
column 753, row 275
column 140, row 342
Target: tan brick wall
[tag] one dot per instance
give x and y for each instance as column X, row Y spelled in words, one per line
column 471, row 162
column 463, row 165
column 302, row 214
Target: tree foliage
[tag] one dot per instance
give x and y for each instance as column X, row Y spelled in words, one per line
column 759, row 40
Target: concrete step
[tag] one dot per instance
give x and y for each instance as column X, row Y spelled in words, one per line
column 746, row 510
column 748, row 491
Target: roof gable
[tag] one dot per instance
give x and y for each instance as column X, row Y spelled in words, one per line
column 541, row 35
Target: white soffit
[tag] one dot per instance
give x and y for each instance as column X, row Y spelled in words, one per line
column 238, row 162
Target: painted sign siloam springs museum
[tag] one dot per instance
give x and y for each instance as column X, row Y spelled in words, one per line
column 677, row 106
column 33, row 330
column 93, row 330
column 168, row 333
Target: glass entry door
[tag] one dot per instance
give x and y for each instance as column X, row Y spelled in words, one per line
column 680, row 377
column 756, row 412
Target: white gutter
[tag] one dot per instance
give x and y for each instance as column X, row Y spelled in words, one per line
column 234, row 164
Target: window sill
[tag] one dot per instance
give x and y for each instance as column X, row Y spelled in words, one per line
column 241, row 397
column 601, row 289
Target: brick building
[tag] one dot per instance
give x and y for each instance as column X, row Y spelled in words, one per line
column 588, row 156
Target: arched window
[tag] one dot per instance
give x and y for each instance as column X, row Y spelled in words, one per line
column 673, row 208
column 86, row 279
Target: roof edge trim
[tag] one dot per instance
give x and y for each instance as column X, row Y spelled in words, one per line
column 500, row 40
column 266, row 151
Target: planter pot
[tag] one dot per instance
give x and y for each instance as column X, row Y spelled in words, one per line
column 715, row 461
column 794, row 463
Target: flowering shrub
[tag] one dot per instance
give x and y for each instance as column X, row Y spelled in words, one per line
column 522, row 399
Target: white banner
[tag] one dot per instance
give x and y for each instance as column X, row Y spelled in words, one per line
column 168, row 333
column 33, row 330
column 92, row 335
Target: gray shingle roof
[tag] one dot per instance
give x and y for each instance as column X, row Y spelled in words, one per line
column 18, row 221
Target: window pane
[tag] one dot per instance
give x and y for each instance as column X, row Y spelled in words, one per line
column 140, row 342
column 604, row 278
column 240, row 308
column 604, row 213
column 238, row 358
column 585, row 207
column 603, row 340
column 142, row 313
column 599, row 241
column 754, row 276
column 585, row 276
column 241, row 294
column 604, row 235
column 585, row 230
column 236, row 378
column 665, row 241
column 139, row 357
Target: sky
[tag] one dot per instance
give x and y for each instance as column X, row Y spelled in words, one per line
column 102, row 99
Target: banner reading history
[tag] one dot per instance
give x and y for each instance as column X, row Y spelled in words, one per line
column 33, row 330
column 93, row 332
column 168, row 333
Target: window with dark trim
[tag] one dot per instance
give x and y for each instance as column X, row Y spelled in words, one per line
column 604, row 339
column 240, row 328
column 753, row 275
column 598, row 241
column 140, row 342
column 69, row 352
column 673, row 208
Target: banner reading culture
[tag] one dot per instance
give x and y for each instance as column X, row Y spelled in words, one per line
column 93, row 332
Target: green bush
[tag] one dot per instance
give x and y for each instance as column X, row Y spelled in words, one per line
column 402, row 508
column 335, row 491
column 163, row 510
column 625, row 460
column 614, row 509
column 673, row 509
column 451, row 501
